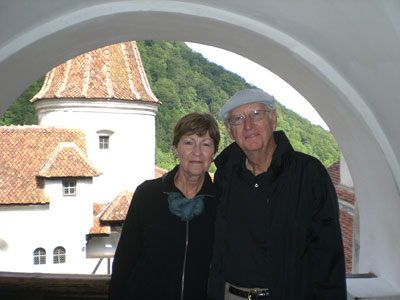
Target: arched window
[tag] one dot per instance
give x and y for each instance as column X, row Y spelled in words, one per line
column 39, row 256
column 59, row 255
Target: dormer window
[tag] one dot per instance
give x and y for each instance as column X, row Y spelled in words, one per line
column 104, row 142
column 69, row 187
column 104, row 138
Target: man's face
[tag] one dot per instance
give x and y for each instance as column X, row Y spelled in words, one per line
column 252, row 135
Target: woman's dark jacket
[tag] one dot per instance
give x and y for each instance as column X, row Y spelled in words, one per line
column 306, row 256
column 149, row 260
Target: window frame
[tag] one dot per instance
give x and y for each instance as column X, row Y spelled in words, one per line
column 69, row 191
column 104, row 142
column 39, row 256
column 104, row 134
column 59, row 258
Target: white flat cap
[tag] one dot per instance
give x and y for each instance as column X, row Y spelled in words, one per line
column 245, row 97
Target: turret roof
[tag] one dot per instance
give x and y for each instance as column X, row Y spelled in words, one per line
column 114, row 72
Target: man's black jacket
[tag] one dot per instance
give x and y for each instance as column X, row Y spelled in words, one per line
column 306, row 256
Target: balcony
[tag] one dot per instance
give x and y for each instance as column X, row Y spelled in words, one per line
column 41, row 286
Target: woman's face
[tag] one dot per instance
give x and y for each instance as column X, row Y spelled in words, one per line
column 195, row 153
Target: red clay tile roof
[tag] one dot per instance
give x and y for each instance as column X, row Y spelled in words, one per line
column 67, row 160
column 115, row 211
column 347, row 198
column 346, row 224
column 99, row 228
column 343, row 193
column 334, row 172
column 113, row 72
column 118, row 208
column 159, row 172
column 23, row 150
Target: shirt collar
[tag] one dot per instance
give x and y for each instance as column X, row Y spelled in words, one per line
column 233, row 156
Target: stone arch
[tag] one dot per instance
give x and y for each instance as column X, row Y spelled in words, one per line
column 363, row 139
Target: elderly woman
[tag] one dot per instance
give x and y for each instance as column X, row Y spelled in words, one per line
column 166, row 242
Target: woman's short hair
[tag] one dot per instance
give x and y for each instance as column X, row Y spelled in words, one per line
column 197, row 123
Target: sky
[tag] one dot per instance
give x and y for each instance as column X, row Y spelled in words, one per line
column 262, row 78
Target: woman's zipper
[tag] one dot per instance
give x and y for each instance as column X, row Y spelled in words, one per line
column 184, row 259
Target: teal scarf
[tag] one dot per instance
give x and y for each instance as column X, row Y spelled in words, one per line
column 185, row 208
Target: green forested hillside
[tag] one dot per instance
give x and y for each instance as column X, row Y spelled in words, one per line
column 185, row 81
column 22, row 112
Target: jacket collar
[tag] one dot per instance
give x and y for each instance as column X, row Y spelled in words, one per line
column 232, row 156
column 168, row 185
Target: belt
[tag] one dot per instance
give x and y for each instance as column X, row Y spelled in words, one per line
column 251, row 295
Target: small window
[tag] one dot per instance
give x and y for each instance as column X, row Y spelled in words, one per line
column 69, row 187
column 104, row 142
column 59, row 255
column 104, row 138
column 39, row 256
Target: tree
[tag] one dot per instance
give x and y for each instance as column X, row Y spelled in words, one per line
column 185, row 81
column 22, row 112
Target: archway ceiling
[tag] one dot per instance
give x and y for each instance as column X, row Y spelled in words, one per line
column 343, row 56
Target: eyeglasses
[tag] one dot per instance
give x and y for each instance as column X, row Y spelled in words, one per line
column 255, row 115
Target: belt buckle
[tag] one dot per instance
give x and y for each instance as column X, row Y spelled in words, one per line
column 251, row 294
column 255, row 293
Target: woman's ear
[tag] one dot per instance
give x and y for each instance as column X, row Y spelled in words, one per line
column 175, row 152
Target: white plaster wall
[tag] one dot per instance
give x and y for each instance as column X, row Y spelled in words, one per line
column 73, row 213
column 41, row 231
column 130, row 158
column 345, row 176
column 21, row 241
column 65, row 222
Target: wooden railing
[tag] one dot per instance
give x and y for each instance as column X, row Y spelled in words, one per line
column 40, row 286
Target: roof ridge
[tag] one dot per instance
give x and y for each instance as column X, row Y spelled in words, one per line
column 49, row 162
column 116, row 200
column 34, row 126
column 86, row 74
column 64, row 81
column 129, row 72
column 142, row 72
column 100, row 214
column 107, row 65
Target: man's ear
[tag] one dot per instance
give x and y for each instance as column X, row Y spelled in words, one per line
column 274, row 119
column 229, row 129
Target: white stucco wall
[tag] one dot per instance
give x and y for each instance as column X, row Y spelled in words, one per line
column 345, row 176
column 130, row 158
column 65, row 222
column 73, row 213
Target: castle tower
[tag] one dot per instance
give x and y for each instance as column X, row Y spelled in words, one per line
column 106, row 94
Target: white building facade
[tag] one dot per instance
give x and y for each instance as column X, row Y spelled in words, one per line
column 120, row 139
column 95, row 140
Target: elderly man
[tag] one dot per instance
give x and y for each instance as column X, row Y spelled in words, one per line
column 277, row 230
